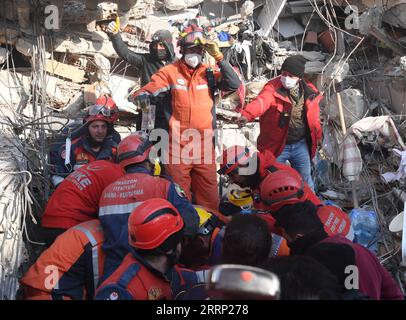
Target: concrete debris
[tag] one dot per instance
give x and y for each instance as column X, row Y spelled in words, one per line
column 403, row 64
column 362, row 144
column 396, row 16
column 64, row 70
column 288, row 27
column 269, row 15
column 370, row 24
column 313, row 67
column 4, row 53
column 181, row 4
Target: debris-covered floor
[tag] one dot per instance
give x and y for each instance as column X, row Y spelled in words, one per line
column 355, row 52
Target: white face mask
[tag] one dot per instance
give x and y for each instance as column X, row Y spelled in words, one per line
column 288, row 82
column 193, row 59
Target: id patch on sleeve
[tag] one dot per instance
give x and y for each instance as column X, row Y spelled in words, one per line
column 180, row 191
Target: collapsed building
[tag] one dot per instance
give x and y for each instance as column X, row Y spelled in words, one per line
column 355, row 52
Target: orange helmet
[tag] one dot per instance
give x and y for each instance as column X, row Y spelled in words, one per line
column 152, row 223
column 133, row 149
column 282, row 187
column 109, row 103
column 233, row 158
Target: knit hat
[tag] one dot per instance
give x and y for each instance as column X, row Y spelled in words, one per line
column 295, row 65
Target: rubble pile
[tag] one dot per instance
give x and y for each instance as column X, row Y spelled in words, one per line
column 359, row 64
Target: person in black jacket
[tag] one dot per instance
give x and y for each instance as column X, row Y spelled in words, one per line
column 161, row 53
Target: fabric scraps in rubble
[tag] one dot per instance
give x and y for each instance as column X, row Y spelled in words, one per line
column 350, row 155
column 351, row 159
column 383, row 124
column 401, row 172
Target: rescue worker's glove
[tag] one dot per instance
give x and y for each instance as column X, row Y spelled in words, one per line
column 114, row 26
column 141, row 100
column 212, row 49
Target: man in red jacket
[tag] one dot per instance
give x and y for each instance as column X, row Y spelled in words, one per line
column 288, row 111
column 77, row 198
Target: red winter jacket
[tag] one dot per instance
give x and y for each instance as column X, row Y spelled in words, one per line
column 268, row 106
column 77, row 198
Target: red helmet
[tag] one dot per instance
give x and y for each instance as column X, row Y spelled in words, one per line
column 233, row 158
column 109, row 103
column 151, row 224
column 335, row 221
column 101, row 113
column 190, row 36
column 133, row 149
column 282, row 187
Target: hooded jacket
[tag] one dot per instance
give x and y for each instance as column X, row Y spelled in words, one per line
column 147, row 63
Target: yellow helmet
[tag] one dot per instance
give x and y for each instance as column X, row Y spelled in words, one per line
column 157, row 168
column 204, row 215
column 241, row 198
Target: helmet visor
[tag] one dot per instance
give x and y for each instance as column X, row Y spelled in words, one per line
column 192, row 38
column 99, row 109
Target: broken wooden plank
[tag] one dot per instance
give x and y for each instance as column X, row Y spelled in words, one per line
column 64, row 70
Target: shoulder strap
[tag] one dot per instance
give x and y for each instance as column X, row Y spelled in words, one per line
column 128, row 275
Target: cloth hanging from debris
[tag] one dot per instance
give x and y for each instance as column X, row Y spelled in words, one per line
column 350, row 155
column 401, row 172
column 350, row 158
column 383, row 124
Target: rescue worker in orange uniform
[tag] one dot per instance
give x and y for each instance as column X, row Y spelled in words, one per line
column 70, row 268
column 276, row 185
column 77, row 198
column 149, row 271
column 248, row 169
column 137, row 185
column 191, row 86
column 98, row 141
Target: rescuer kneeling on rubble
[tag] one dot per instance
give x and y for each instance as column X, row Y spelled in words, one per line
column 288, row 111
column 98, row 141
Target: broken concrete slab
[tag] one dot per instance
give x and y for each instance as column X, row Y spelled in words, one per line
column 370, row 24
column 269, row 15
column 396, row 16
column 313, row 55
column 180, row 4
column 390, row 89
column 64, row 70
column 312, row 67
column 4, row 53
column 288, row 27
